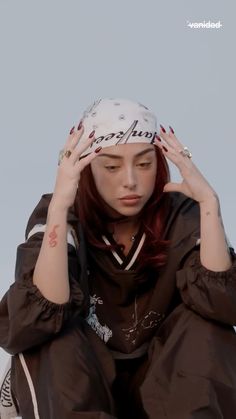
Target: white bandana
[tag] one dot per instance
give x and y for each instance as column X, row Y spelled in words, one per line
column 118, row 121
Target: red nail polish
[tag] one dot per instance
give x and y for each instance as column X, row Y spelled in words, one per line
column 72, row 130
column 91, row 134
column 162, row 128
column 158, row 138
column 171, row 129
column 97, row 149
column 164, row 148
column 80, row 125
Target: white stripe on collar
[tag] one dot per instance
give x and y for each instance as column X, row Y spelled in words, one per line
column 135, row 255
column 113, row 251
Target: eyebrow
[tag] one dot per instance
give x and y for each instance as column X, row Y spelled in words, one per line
column 115, row 156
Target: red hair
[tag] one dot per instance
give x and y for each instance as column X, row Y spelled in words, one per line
column 91, row 211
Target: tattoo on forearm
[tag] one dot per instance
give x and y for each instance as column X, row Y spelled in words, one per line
column 53, row 236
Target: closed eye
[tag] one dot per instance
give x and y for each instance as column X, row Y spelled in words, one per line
column 111, row 168
column 146, row 164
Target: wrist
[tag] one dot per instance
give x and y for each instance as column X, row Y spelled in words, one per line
column 211, row 200
column 57, row 207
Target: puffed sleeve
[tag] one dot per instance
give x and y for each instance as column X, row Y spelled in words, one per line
column 209, row 293
column 27, row 318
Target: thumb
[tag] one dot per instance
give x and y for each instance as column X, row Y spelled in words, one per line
column 172, row 187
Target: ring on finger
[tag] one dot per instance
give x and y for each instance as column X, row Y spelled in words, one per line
column 63, row 153
column 67, row 153
column 185, row 152
column 60, row 157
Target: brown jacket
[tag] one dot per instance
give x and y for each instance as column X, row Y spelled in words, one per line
column 62, row 370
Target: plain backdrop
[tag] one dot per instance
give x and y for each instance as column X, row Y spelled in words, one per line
column 59, row 56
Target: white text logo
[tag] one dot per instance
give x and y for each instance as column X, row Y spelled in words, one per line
column 204, row 25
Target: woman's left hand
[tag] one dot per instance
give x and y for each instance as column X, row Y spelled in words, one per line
column 194, row 185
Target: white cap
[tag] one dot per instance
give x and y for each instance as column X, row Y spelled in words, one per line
column 118, row 121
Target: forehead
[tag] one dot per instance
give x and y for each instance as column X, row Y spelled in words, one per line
column 131, row 149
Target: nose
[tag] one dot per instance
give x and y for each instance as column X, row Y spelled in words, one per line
column 129, row 178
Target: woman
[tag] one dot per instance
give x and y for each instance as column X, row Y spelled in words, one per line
column 124, row 300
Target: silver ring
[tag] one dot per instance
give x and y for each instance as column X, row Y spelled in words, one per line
column 185, row 152
column 60, row 157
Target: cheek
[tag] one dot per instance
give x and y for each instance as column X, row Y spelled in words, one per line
column 102, row 180
column 96, row 175
column 148, row 180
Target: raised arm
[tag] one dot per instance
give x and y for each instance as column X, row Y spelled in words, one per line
column 46, row 293
column 52, row 261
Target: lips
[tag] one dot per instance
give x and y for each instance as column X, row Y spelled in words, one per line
column 131, row 197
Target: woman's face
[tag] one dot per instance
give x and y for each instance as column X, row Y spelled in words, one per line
column 125, row 176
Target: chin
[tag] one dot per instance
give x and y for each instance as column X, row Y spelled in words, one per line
column 117, row 211
column 129, row 211
column 125, row 212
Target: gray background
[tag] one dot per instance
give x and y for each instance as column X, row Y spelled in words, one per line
column 59, row 56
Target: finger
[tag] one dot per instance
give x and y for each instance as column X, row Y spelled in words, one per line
column 74, row 137
column 82, row 163
column 174, row 155
column 170, row 138
column 173, row 187
column 71, row 143
column 82, row 147
column 160, row 143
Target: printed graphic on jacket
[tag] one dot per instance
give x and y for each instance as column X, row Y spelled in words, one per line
column 151, row 320
column 8, row 409
column 102, row 331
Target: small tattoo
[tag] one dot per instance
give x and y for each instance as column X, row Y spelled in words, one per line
column 53, row 236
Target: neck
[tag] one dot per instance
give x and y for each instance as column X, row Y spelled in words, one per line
column 125, row 227
column 121, row 225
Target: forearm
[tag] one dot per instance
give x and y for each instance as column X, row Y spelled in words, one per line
column 214, row 253
column 51, row 269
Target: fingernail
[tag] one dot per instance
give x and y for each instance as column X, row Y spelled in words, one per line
column 162, row 128
column 80, row 125
column 72, row 130
column 97, row 149
column 171, row 129
column 164, row 148
column 91, row 134
column 158, row 138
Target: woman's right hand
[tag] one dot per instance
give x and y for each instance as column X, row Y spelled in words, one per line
column 69, row 169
